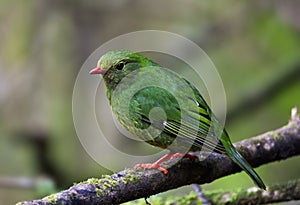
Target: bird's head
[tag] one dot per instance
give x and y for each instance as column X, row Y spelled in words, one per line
column 114, row 65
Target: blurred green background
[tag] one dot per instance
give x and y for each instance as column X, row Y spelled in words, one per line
column 255, row 46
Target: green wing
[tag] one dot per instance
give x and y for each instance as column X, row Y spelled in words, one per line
column 189, row 125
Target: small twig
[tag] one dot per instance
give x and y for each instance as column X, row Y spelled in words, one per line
column 201, row 196
column 294, row 114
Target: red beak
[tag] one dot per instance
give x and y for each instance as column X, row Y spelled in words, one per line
column 97, row 70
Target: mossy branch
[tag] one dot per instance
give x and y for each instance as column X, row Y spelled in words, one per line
column 131, row 184
column 251, row 196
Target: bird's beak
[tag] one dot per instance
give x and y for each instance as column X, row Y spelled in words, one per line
column 98, row 70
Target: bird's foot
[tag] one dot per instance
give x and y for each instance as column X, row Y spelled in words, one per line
column 156, row 165
column 152, row 166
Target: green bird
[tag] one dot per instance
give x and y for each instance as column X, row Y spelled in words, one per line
column 163, row 109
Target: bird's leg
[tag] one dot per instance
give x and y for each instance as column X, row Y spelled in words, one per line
column 156, row 165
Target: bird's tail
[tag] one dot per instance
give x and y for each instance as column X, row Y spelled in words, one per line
column 241, row 161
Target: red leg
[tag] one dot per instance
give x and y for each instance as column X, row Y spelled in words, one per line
column 156, row 165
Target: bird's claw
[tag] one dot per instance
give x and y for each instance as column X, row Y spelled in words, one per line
column 156, row 165
column 152, row 166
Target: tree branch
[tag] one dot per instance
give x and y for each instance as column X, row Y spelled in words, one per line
column 133, row 183
column 251, row 196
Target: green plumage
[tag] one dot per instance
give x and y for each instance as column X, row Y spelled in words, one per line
column 163, row 108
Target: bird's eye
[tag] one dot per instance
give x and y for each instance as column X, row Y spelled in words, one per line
column 120, row 66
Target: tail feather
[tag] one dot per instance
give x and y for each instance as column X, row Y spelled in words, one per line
column 241, row 161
